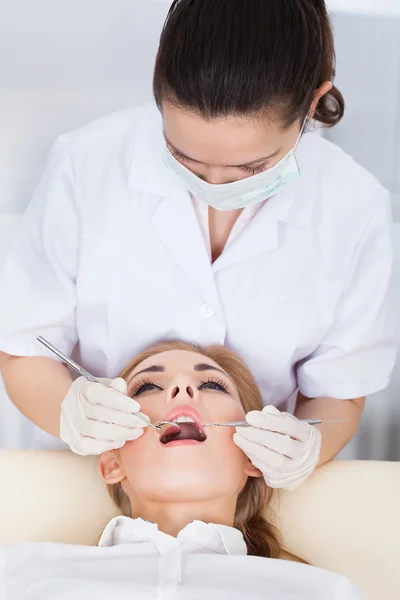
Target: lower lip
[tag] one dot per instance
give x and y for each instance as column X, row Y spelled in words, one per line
column 182, row 443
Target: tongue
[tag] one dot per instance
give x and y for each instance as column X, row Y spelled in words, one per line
column 189, row 431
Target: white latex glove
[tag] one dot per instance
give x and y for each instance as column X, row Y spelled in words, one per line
column 96, row 417
column 283, row 448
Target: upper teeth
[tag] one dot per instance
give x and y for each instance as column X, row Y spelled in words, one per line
column 183, row 419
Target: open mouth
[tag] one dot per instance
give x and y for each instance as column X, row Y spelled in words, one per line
column 189, row 429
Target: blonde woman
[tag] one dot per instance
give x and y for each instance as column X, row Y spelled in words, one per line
column 194, row 521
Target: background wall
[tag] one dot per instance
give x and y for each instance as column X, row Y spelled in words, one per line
column 367, row 36
column 63, row 64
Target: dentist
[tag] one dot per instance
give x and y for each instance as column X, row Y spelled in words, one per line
column 213, row 216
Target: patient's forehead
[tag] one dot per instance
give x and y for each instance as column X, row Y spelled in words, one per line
column 176, row 360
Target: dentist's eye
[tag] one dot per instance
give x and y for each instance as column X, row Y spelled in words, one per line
column 255, row 170
column 214, row 384
column 180, row 157
column 142, row 387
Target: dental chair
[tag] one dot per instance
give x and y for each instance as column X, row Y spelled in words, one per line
column 344, row 518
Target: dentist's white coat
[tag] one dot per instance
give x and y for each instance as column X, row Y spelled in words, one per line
column 111, row 255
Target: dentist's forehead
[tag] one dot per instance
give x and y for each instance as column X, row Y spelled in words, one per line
column 225, row 141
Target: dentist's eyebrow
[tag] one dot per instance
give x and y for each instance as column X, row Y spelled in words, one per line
column 249, row 164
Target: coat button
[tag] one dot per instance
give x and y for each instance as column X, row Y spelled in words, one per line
column 206, row 311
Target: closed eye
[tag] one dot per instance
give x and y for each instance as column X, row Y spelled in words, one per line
column 214, row 384
column 178, row 156
column 142, row 387
column 249, row 170
column 255, row 170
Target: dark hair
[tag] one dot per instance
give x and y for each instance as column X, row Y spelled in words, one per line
column 246, row 57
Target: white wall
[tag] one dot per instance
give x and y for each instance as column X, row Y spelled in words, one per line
column 63, row 64
column 367, row 36
column 365, row 7
column 368, row 74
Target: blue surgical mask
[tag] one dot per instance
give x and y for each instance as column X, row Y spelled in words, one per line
column 242, row 193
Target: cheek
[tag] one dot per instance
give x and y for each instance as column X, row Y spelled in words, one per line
column 228, row 460
column 129, row 457
column 226, row 410
column 136, row 453
column 232, row 452
column 222, row 445
column 154, row 407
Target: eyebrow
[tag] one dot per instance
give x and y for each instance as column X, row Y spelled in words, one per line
column 200, row 368
column 151, row 369
column 204, row 367
column 248, row 164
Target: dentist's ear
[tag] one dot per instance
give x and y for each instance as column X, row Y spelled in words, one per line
column 110, row 467
column 319, row 93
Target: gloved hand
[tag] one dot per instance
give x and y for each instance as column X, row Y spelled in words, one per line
column 96, row 417
column 283, row 448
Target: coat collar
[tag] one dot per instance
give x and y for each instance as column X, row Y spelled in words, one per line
column 197, row 536
column 148, row 174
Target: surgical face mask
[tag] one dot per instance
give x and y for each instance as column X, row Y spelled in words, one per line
column 242, row 193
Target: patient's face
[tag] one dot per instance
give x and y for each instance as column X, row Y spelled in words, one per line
column 206, row 463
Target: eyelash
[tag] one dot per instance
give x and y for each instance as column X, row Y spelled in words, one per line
column 140, row 386
column 218, row 382
column 248, row 170
column 180, row 157
column 255, row 170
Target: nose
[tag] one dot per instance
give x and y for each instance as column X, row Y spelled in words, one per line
column 182, row 390
column 214, row 176
column 177, row 391
column 218, row 176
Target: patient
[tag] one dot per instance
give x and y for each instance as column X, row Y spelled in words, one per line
column 194, row 504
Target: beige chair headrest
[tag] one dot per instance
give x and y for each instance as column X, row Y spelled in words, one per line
column 344, row 518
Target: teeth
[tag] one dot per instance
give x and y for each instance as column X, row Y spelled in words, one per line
column 183, row 419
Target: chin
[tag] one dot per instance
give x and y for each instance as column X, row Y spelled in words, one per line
column 177, row 493
column 190, row 483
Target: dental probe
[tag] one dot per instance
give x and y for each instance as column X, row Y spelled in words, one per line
column 246, row 424
column 71, row 363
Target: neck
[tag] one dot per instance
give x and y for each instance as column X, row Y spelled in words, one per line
column 220, row 225
column 171, row 518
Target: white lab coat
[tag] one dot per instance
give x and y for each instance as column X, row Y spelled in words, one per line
column 110, row 255
column 135, row 560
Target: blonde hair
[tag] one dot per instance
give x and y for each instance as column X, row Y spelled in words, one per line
column 261, row 537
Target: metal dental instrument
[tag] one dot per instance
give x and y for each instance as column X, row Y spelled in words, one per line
column 164, row 425
column 246, row 424
column 160, row 427
column 67, row 360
